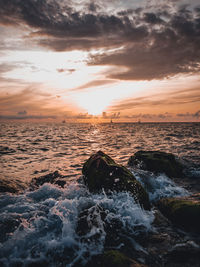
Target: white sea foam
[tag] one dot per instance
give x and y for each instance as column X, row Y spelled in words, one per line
column 47, row 221
column 159, row 186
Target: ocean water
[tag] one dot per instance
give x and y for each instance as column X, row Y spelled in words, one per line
column 30, row 150
column 42, row 227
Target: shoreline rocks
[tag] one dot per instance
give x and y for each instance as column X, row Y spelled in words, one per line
column 158, row 162
column 113, row 258
column 183, row 212
column 102, row 172
column 52, row 178
column 10, row 186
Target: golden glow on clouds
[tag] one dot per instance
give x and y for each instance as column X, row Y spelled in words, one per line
column 61, row 72
column 95, row 101
column 67, row 77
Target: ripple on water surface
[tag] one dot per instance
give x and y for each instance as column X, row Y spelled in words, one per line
column 39, row 146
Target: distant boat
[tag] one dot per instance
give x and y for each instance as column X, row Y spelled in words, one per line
column 63, row 121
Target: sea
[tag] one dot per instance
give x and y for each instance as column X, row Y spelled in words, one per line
column 39, row 227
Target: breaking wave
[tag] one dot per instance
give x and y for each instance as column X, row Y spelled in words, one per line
column 159, row 186
column 53, row 225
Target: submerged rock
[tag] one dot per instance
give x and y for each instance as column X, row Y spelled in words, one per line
column 157, row 161
column 187, row 253
column 11, row 186
column 102, row 172
column 91, row 224
column 183, row 212
column 53, row 178
column 113, row 258
column 8, row 224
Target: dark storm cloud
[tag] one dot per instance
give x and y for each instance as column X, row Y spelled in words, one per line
column 152, row 18
column 155, row 42
column 171, row 49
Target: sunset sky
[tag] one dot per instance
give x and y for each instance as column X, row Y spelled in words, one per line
column 80, row 60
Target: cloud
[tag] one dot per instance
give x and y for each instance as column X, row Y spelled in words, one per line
column 15, row 117
column 82, row 116
column 169, row 99
column 69, row 71
column 29, row 100
column 4, row 67
column 23, row 113
column 106, row 115
column 167, row 50
column 94, row 83
column 189, row 115
column 153, row 42
column 147, row 116
column 152, row 18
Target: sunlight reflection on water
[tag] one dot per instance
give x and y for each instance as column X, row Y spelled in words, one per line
column 29, row 150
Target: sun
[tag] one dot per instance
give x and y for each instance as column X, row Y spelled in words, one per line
column 94, row 108
column 93, row 102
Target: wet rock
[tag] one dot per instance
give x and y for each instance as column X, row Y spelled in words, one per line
column 93, row 226
column 11, row 186
column 102, row 172
column 8, row 225
column 53, row 178
column 91, row 223
column 187, row 254
column 114, row 258
column 183, row 212
column 158, row 162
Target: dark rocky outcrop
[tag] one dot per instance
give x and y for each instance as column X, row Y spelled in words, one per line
column 8, row 225
column 113, row 258
column 183, row 212
column 158, row 162
column 52, row 178
column 102, row 172
column 187, row 254
column 11, row 186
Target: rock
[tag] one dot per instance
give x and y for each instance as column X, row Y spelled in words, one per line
column 8, row 224
column 91, row 223
column 102, row 172
column 11, row 186
column 113, row 258
column 158, row 162
column 183, row 212
column 53, row 178
column 187, row 253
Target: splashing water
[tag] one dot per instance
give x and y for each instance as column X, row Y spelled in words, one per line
column 43, row 227
column 159, row 186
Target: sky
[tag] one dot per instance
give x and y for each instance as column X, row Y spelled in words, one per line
column 83, row 60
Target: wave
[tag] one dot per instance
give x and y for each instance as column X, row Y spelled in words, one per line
column 69, row 225
column 159, row 186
